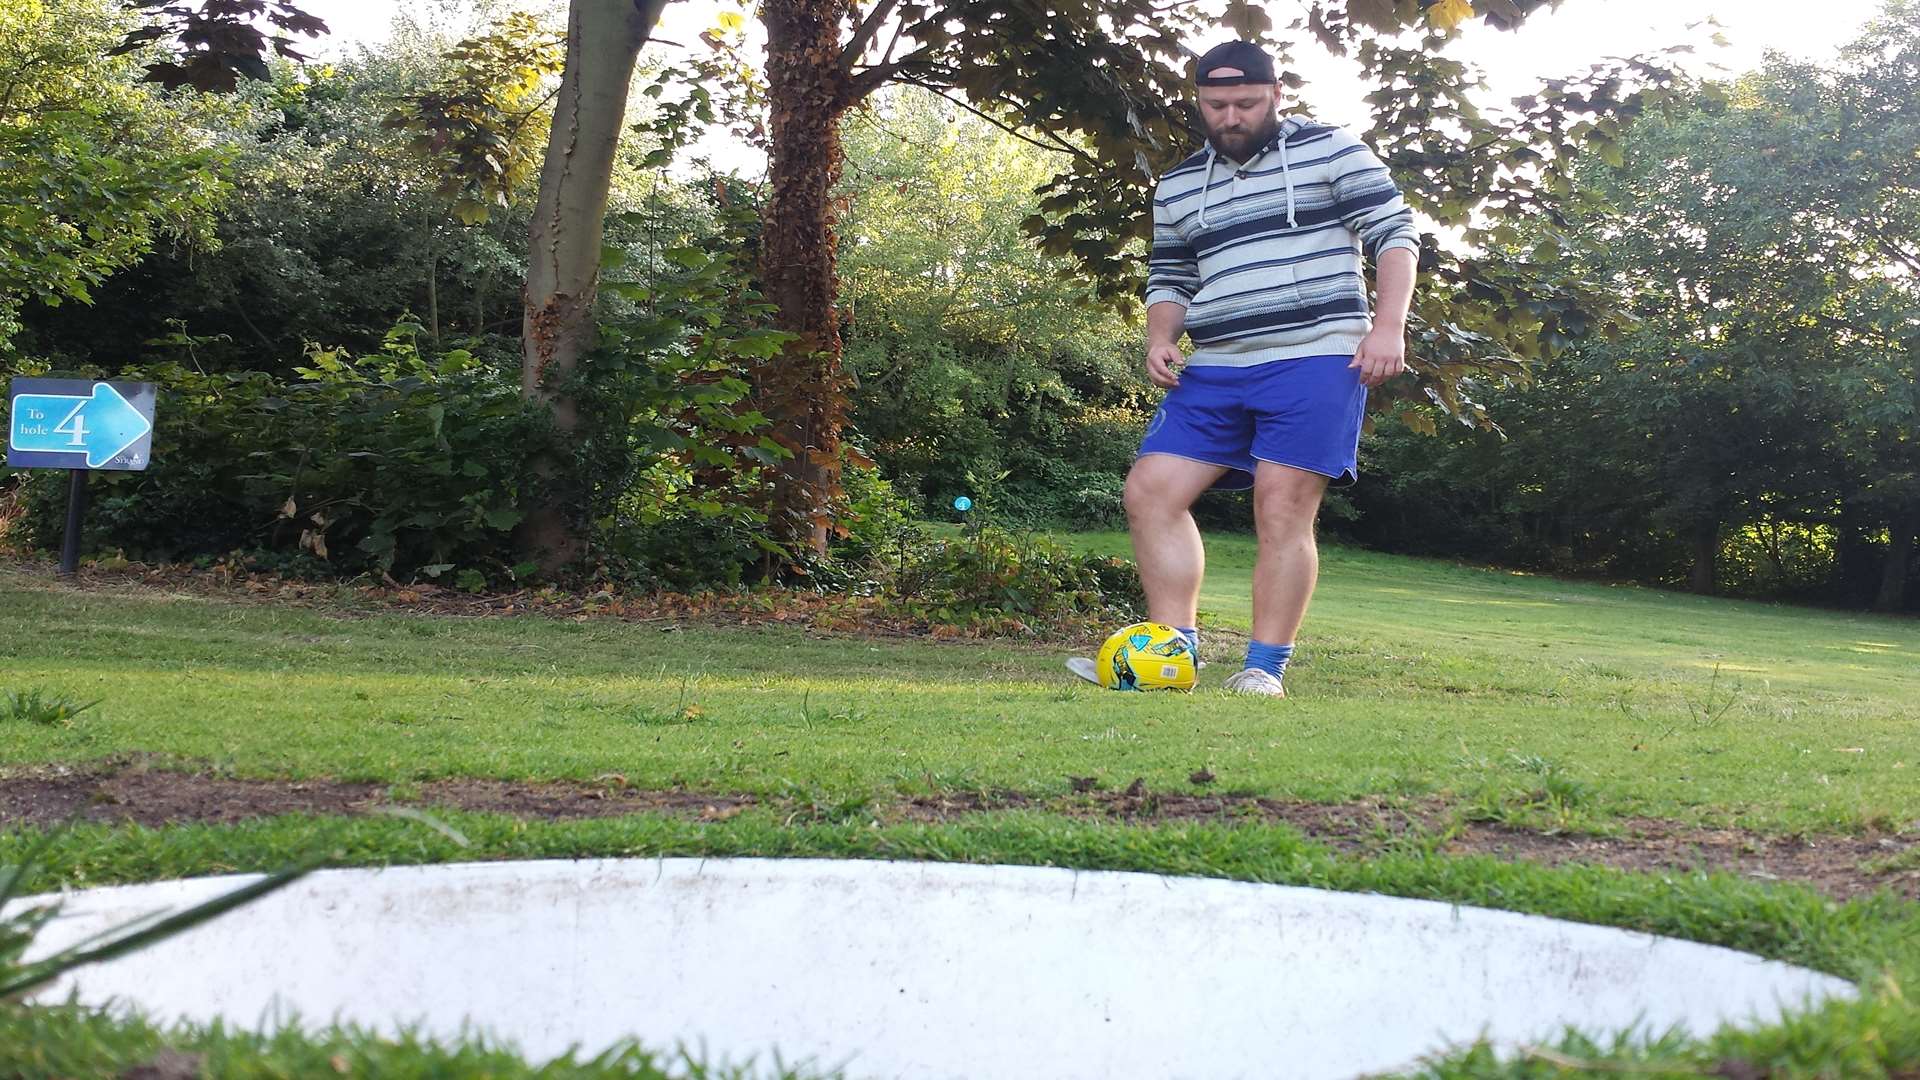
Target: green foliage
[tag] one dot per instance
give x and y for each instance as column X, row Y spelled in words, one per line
column 98, row 169
column 974, row 357
column 392, row 463
column 877, row 517
column 334, row 227
column 672, row 451
column 989, row 573
column 1754, row 430
column 482, row 122
column 40, row 707
column 331, row 231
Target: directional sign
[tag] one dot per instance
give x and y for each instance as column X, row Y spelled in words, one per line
column 79, row 424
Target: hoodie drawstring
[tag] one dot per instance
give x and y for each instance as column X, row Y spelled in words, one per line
column 1286, row 177
column 1206, row 184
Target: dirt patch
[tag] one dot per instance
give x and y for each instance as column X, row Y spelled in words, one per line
column 1354, row 827
column 825, row 613
column 1837, row 864
column 1840, row 865
column 156, row 796
column 139, row 791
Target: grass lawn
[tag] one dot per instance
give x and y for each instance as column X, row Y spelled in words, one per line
column 1415, row 677
column 1540, row 703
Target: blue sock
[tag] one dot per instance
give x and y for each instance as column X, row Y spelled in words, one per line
column 1193, row 637
column 1271, row 659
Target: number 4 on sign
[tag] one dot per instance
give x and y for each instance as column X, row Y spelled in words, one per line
column 74, row 426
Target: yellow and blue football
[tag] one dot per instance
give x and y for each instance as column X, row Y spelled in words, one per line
column 1146, row 656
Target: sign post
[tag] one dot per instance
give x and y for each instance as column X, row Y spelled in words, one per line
column 81, row 425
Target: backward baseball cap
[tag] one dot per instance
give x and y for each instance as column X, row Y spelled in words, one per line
column 1247, row 62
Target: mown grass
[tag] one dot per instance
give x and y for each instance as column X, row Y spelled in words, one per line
column 1415, row 677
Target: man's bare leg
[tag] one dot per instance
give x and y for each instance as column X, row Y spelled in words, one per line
column 1285, row 502
column 1160, row 491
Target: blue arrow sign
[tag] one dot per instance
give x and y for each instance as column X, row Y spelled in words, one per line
column 92, row 423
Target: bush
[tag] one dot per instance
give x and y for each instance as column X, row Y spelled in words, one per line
column 405, row 465
column 878, row 517
column 389, row 464
column 991, row 573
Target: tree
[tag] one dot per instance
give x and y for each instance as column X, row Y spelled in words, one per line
column 971, row 354
column 1780, row 218
column 604, row 38
column 1764, row 235
column 331, row 231
column 97, row 168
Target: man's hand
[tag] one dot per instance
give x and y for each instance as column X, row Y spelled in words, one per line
column 1382, row 354
column 1163, row 365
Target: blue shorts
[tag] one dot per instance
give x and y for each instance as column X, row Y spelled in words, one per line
column 1305, row 413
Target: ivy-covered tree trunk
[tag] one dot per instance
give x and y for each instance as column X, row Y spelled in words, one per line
column 804, row 390
column 604, row 38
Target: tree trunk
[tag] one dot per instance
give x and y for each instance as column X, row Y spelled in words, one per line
column 433, row 298
column 604, row 38
column 1893, row 576
column 480, row 302
column 804, row 391
column 1706, row 551
column 1854, row 555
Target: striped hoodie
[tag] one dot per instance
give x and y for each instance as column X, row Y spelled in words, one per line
column 1265, row 256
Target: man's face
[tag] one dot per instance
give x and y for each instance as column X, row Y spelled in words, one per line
column 1239, row 119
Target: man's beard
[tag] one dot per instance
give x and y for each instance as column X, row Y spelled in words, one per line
column 1242, row 146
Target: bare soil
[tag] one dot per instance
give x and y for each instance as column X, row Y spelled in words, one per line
column 143, row 792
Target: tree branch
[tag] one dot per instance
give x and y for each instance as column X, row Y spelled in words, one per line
column 538, row 110
column 1889, row 246
column 877, row 76
column 1058, row 146
column 869, row 27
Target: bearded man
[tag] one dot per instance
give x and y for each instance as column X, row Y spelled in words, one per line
column 1258, row 246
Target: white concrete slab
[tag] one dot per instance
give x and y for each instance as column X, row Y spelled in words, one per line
column 913, row 969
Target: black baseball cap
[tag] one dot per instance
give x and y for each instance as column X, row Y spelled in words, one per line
column 1253, row 63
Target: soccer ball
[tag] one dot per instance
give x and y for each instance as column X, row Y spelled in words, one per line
column 1146, row 656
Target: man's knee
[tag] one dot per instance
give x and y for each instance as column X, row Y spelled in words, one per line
column 1153, row 493
column 1287, row 502
column 1147, row 496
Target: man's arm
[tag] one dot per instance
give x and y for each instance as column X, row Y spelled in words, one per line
column 1166, row 321
column 1367, row 199
column 1383, row 352
column 1173, row 276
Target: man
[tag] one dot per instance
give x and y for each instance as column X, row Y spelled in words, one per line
column 1257, row 247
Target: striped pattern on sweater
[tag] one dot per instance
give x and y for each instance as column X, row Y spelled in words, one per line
column 1266, row 256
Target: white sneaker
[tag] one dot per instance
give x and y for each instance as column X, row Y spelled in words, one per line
column 1255, row 681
